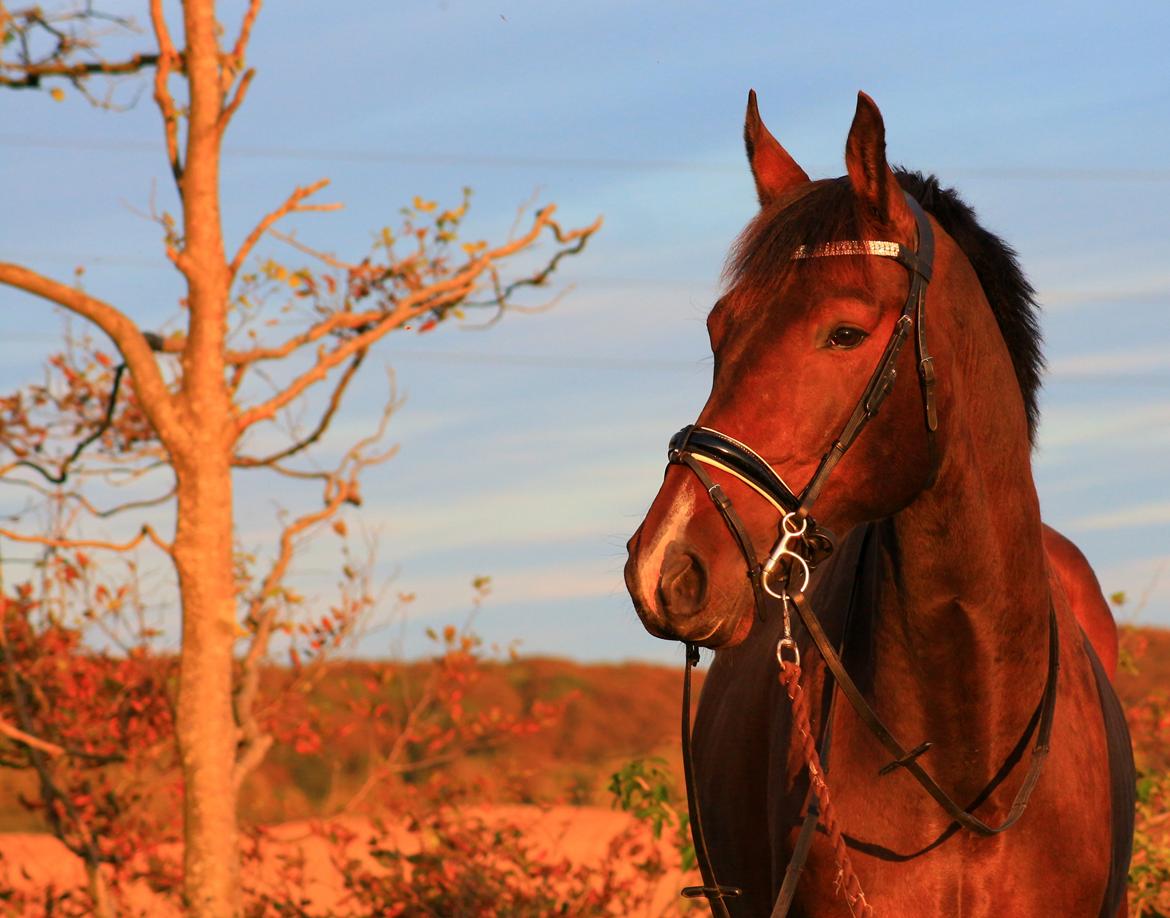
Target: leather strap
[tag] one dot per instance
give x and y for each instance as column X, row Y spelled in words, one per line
column 808, row 831
column 875, row 725
column 738, row 530
column 881, row 380
column 711, row 890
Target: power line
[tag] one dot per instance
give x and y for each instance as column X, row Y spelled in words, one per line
column 606, row 362
column 94, row 260
column 596, row 163
column 1050, row 299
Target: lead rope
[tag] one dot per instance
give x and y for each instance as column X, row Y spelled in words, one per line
column 847, row 882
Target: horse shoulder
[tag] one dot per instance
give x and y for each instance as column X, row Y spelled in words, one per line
column 1072, row 574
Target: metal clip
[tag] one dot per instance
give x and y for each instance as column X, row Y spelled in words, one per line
column 787, row 642
column 788, row 533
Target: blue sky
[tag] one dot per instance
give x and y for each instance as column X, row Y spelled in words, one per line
column 530, row 452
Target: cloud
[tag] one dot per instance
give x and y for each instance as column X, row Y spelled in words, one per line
column 1151, row 289
column 442, row 594
column 1151, row 513
column 1140, row 360
column 1078, row 425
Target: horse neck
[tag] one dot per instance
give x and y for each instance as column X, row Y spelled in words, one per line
column 961, row 639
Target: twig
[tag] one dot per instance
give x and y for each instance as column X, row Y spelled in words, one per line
column 318, row 431
column 63, row 474
column 154, row 396
column 147, row 532
column 34, row 73
column 167, row 58
column 27, row 739
column 291, row 205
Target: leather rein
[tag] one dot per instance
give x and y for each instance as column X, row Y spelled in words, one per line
column 783, row 576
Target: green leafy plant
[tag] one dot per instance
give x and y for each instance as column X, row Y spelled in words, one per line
column 644, row 788
column 1149, row 874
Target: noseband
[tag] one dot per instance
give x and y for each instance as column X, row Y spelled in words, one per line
column 801, row 543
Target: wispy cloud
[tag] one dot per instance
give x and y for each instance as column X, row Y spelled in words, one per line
column 1139, row 360
column 553, row 583
column 1077, row 425
column 1154, row 513
column 1152, row 290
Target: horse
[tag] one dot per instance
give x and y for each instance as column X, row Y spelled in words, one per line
column 922, row 585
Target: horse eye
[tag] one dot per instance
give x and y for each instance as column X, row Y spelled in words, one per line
column 846, row 337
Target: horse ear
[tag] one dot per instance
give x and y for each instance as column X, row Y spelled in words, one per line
column 773, row 169
column 872, row 179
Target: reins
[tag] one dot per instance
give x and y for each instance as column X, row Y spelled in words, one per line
column 783, row 578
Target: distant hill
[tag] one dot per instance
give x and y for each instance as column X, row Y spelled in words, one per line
column 613, row 713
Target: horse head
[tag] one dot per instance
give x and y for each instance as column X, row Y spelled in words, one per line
column 798, row 341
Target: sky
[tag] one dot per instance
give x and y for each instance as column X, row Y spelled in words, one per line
column 529, row 452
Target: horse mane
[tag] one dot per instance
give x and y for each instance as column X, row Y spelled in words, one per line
column 827, row 213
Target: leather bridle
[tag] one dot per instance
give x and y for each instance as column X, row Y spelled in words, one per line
column 704, row 445
column 783, row 576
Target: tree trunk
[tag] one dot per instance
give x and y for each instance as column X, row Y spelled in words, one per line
column 203, row 547
column 206, row 727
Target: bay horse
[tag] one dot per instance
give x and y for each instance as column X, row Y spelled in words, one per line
column 941, row 606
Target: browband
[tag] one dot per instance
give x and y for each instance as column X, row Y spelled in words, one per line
column 918, row 262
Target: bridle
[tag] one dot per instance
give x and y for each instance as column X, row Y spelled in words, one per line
column 783, row 576
column 693, row 445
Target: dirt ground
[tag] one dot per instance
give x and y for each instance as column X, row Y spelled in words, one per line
column 38, row 862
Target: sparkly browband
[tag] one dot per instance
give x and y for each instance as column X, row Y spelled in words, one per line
column 867, row 247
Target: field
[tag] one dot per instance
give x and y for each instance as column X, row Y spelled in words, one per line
column 551, row 784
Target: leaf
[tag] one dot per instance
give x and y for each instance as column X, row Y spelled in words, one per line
column 57, row 93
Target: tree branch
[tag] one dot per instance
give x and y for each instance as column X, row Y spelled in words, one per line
column 81, row 499
column 149, row 384
column 146, row 532
column 245, row 35
column 433, row 296
column 235, row 63
column 237, row 98
column 27, row 739
column 63, row 474
column 322, row 425
column 168, row 57
column 291, row 205
column 262, row 613
column 34, row 73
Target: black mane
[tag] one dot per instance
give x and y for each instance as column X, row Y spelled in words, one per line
column 827, row 213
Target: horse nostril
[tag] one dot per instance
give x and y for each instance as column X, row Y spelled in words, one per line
column 682, row 582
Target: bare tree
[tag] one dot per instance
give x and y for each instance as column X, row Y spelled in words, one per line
column 180, row 405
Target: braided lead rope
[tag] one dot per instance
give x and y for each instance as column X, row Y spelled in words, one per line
column 847, row 882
